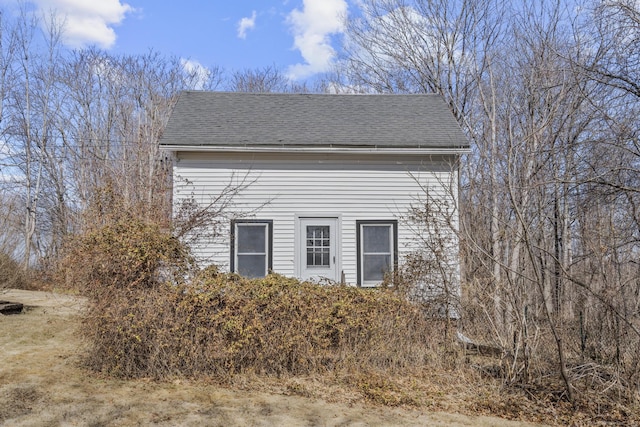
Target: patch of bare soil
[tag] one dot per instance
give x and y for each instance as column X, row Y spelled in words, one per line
column 43, row 383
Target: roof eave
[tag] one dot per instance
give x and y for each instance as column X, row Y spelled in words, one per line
column 318, row 149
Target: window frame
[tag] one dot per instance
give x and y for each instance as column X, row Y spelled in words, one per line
column 268, row 223
column 393, row 225
column 323, row 250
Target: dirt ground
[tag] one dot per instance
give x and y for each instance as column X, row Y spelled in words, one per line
column 42, row 383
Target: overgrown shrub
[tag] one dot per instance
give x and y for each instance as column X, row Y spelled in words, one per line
column 224, row 324
column 144, row 320
column 11, row 274
column 122, row 256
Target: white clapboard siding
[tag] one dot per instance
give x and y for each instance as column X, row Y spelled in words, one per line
column 281, row 188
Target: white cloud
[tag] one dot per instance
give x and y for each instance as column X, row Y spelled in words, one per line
column 246, row 24
column 87, row 22
column 312, row 27
column 200, row 73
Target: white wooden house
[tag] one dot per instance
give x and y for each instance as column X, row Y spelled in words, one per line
column 324, row 181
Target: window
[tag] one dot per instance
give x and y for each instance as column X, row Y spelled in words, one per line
column 251, row 246
column 318, row 245
column 377, row 250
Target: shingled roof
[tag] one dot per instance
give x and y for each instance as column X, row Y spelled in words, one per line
column 235, row 119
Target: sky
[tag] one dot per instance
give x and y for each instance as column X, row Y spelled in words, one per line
column 299, row 37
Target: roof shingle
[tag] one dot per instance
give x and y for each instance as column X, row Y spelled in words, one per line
column 274, row 119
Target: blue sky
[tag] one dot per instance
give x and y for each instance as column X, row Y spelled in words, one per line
column 297, row 36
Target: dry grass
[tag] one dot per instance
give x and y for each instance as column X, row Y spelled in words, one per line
column 42, row 383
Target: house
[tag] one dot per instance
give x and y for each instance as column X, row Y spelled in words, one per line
column 321, row 184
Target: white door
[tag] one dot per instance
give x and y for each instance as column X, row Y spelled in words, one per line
column 318, row 248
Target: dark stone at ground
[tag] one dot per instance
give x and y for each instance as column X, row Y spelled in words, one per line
column 7, row 307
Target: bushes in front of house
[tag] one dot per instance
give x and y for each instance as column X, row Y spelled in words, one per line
column 144, row 320
column 125, row 255
column 224, row 324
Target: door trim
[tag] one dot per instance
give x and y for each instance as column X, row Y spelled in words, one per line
column 299, row 259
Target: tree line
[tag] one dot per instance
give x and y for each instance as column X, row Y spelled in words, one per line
column 547, row 92
column 73, row 122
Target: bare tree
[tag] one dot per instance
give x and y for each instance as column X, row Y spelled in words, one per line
column 612, row 28
column 34, row 107
column 265, row 79
column 76, row 121
column 116, row 111
column 554, row 148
